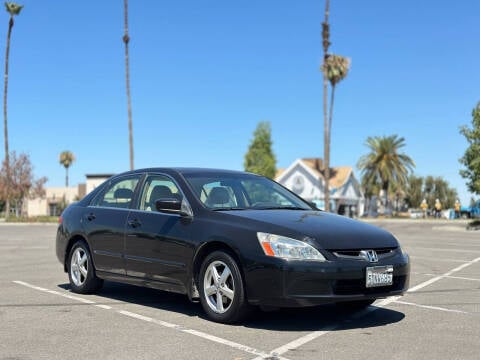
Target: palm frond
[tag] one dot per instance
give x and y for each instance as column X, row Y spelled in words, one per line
column 13, row 8
column 335, row 68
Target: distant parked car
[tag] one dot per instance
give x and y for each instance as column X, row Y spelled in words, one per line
column 470, row 212
column 416, row 213
column 231, row 240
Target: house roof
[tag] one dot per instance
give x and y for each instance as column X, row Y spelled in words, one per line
column 338, row 174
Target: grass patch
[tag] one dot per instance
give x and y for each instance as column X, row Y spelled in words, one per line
column 33, row 219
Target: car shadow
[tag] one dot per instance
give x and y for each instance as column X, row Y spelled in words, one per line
column 325, row 317
column 163, row 300
column 315, row 318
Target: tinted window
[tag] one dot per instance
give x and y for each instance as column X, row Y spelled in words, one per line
column 157, row 187
column 243, row 191
column 119, row 193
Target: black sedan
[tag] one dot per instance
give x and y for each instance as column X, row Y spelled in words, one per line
column 231, row 240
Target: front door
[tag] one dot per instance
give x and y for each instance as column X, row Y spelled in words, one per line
column 157, row 244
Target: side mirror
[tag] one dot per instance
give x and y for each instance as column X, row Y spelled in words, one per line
column 173, row 206
column 313, row 205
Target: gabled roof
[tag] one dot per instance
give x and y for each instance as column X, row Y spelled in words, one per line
column 339, row 175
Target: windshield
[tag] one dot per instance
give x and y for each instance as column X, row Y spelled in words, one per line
column 241, row 192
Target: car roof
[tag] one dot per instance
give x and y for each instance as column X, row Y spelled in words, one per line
column 187, row 171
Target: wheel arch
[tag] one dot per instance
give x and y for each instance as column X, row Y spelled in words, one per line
column 68, row 248
column 203, row 251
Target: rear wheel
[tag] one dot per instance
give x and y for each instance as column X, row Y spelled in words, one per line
column 222, row 291
column 81, row 272
column 355, row 305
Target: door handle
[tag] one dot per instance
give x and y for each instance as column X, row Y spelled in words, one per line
column 90, row 217
column 134, row 223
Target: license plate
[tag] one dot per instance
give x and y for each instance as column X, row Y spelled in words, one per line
column 379, row 276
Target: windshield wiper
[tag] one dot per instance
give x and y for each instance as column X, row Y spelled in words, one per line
column 281, row 208
column 228, row 209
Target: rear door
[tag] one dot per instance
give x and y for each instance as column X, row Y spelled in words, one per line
column 105, row 220
column 158, row 245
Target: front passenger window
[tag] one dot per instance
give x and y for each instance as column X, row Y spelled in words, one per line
column 158, row 187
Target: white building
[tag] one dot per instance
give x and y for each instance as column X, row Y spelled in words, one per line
column 57, row 197
column 305, row 178
column 94, row 180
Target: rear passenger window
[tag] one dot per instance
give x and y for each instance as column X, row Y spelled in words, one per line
column 119, row 194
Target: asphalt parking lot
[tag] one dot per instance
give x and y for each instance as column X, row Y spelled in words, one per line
column 438, row 319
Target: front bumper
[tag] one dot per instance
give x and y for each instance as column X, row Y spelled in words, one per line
column 281, row 283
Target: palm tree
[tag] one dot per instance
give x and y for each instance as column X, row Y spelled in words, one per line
column 334, row 69
column 384, row 165
column 326, row 135
column 126, row 39
column 13, row 9
column 66, row 159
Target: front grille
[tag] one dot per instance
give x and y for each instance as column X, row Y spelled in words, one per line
column 357, row 286
column 355, row 253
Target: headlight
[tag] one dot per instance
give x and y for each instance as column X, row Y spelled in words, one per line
column 402, row 250
column 287, row 248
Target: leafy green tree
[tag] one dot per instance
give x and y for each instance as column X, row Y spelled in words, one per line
column 260, row 158
column 66, row 159
column 334, row 69
column 369, row 191
column 13, row 9
column 126, row 40
column 414, row 192
column 439, row 188
column 385, row 165
column 471, row 158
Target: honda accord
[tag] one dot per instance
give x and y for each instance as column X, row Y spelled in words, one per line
column 231, row 240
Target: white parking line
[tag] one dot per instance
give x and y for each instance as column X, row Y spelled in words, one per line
column 448, row 273
column 30, row 286
column 106, row 307
column 450, row 277
column 378, row 305
column 431, row 307
column 176, row 327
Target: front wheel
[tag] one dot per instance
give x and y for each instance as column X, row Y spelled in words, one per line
column 222, row 291
column 81, row 272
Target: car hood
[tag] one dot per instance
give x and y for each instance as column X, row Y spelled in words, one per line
column 329, row 231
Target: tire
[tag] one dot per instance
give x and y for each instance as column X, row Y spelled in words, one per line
column 355, row 305
column 81, row 271
column 222, row 290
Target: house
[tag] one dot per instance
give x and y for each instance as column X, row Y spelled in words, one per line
column 56, row 198
column 305, row 178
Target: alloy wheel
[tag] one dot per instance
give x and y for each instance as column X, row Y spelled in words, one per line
column 219, row 287
column 79, row 266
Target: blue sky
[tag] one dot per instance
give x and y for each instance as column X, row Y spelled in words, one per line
column 204, row 73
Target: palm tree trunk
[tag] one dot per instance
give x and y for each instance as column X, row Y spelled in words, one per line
column 385, row 189
column 327, row 153
column 126, row 39
column 326, row 132
column 326, row 146
column 5, row 122
column 66, row 177
column 330, row 114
